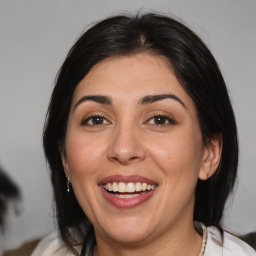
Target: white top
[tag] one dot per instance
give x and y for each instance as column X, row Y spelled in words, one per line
column 232, row 246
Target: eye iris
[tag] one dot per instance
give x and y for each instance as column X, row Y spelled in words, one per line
column 160, row 120
column 97, row 120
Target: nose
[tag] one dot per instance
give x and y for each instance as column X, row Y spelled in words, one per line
column 126, row 146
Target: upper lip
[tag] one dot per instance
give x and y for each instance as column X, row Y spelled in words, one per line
column 126, row 179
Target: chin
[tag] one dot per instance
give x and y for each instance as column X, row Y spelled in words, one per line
column 128, row 236
column 130, row 231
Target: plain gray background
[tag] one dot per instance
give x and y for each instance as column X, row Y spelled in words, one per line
column 34, row 39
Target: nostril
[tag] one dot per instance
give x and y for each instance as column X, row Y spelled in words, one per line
column 124, row 160
column 125, row 148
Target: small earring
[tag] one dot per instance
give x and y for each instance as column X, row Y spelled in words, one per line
column 208, row 176
column 68, row 185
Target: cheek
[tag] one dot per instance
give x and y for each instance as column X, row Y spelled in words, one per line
column 177, row 155
column 83, row 155
column 83, row 163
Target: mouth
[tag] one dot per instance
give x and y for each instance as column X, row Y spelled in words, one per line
column 127, row 191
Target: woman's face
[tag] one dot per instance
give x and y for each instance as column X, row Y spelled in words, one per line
column 132, row 129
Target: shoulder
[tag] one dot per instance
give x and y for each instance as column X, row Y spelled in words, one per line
column 236, row 246
column 228, row 246
column 51, row 246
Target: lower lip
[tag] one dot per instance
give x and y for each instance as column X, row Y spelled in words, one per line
column 127, row 202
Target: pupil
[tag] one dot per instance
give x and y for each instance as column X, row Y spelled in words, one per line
column 97, row 120
column 159, row 120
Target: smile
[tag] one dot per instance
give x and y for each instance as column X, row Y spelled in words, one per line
column 127, row 191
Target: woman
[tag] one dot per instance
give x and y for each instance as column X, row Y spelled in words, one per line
column 142, row 145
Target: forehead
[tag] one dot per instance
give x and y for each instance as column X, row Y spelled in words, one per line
column 131, row 77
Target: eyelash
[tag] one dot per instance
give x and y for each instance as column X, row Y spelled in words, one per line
column 165, row 118
column 94, row 118
column 102, row 119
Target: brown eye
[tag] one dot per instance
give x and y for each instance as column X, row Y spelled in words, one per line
column 95, row 120
column 161, row 120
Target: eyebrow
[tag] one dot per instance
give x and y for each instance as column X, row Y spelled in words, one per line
column 148, row 99
column 154, row 98
column 96, row 98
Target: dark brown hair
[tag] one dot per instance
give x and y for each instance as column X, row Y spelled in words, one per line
column 196, row 70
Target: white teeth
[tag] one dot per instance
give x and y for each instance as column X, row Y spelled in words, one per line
column 109, row 187
column 129, row 187
column 144, row 186
column 126, row 195
column 122, row 187
column 138, row 186
column 115, row 187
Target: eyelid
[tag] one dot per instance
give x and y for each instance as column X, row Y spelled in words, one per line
column 90, row 115
column 155, row 114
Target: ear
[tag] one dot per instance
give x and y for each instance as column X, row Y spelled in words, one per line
column 64, row 160
column 211, row 157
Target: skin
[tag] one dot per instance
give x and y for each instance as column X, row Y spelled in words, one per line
column 129, row 141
